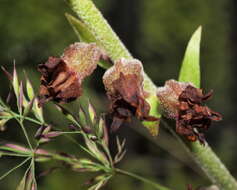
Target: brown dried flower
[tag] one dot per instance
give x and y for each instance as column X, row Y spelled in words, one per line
column 62, row 77
column 124, row 86
column 184, row 103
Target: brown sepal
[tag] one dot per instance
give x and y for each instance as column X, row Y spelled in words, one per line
column 128, row 101
column 184, row 103
column 58, row 82
column 193, row 118
column 62, row 78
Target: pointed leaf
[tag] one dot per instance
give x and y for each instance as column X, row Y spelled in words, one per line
column 38, row 111
column 92, row 113
column 82, row 117
column 20, row 99
column 190, row 69
column 80, row 28
column 28, row 107
column 29, row 89
column 15, row 82
column 95, row 151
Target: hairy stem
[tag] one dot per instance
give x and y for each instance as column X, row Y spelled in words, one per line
column 105, row 36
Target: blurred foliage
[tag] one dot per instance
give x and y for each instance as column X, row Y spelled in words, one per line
column 157, row 32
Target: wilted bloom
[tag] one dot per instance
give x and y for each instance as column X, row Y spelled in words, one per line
column 124, row 85
column 184, row 103
column 62, row 76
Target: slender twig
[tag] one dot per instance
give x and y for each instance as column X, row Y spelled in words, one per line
column 13, row 154
column 25, row 133
column 16, row 167
column 135, row 176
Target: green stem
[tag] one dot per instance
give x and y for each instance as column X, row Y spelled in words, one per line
column 106, row 38
column 13, row 154
column 25, row 133
column 208, row 161
column 135, row 176
column 13, row 169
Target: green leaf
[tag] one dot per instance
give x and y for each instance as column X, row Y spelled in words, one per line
column 38, row 111
column 190, row 69
column 80, row 28
column 29, row 89
column 15, row 83
column 92, row 113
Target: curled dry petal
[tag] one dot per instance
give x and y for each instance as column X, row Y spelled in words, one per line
column 124, row 85
column 62, row 77
column 184, row 103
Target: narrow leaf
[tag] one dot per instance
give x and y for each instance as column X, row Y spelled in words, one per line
column 190, row 69
column 15, row 82
column 28, row 107
column 20, row 99
column 29, row 89
column 80, row 28
column 38, row 111
column 92, row 113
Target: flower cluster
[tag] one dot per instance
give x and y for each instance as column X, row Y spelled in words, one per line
column 62, row 78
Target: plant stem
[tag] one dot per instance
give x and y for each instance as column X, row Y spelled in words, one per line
column 16, row 167
column 105, row 37
column 208, row 161
column 135, row 176
column 25, row 133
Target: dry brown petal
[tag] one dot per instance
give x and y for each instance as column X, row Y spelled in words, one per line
column 184, row 103
column 169, row 95
column 124, row 85
column 62, row 78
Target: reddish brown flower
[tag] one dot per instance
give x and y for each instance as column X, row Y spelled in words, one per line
column 184, row 103
column 124, row 86
column 62, row 77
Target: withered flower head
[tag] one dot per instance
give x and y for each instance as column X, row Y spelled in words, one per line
column 124, row 85
column 184, row 103
column 62, row 77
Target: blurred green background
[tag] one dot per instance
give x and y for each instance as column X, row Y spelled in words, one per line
column 156, row 32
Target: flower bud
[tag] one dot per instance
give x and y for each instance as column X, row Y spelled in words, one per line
column 3, row 121
column 184, row 103
column 124, row 85
column 62, row 77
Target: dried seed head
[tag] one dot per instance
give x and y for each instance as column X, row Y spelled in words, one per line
column 124, row 85
column 62, row 77
column 184, row 103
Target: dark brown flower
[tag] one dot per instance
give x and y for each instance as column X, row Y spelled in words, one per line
column 184, row 103
column 62, row 77
column 124, row 86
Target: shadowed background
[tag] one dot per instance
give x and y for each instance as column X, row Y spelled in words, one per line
column 156, row 32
